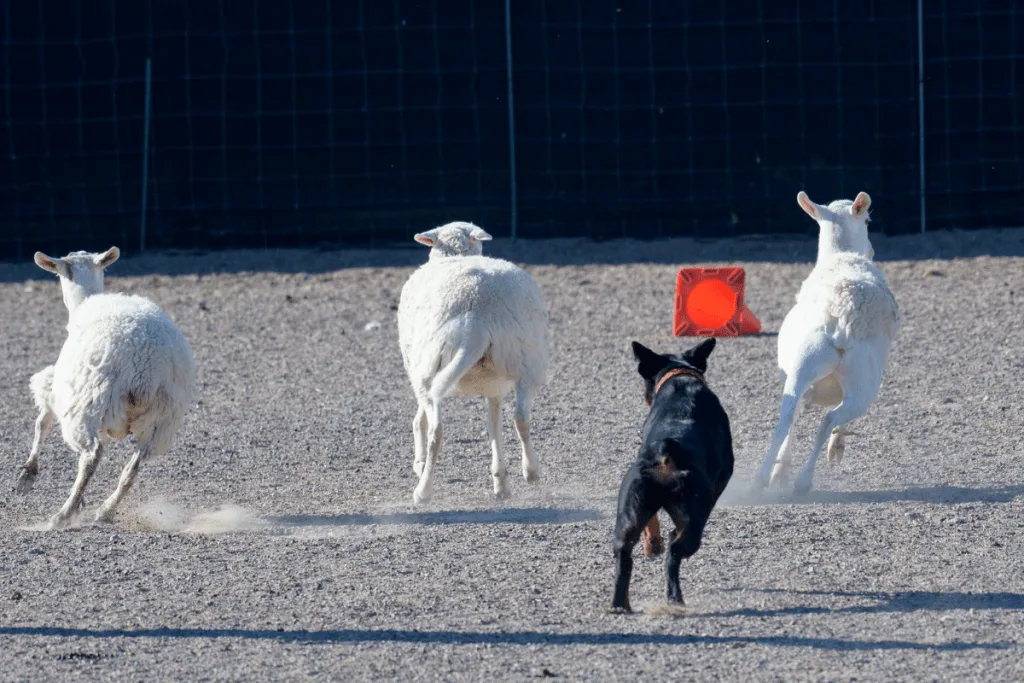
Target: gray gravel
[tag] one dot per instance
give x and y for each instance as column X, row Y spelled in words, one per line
column 904, row 563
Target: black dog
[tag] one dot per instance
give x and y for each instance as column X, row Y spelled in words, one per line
column 683, row 466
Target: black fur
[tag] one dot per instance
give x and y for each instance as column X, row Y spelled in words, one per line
column 683, row 466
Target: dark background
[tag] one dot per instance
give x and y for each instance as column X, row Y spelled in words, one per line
column 310, row 122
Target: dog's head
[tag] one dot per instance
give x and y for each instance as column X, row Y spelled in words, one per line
column 652, row 365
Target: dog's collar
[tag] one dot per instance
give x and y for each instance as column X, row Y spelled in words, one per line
column 675, row 372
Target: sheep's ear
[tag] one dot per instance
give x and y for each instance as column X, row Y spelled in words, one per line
column 698, row 355
column 53, row 265
column 861, row 204
column 479, row 234
column 649, row 362
column 106, row 258
column 426, row 238
column 807, row 205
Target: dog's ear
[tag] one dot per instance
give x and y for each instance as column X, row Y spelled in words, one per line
column 698, row 355
column 649, row 361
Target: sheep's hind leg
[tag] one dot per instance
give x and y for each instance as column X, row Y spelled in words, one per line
column 425, row 489
column 440, row 386
column 524, row 406
column 859, row 389
column 498, row 470
column 419, row 438
column 106, row 511
column 784, row 463
column 88, row 460
column 30, row 470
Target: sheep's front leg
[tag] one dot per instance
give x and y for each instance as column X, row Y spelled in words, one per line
column 425, row 489
column 419, row 439
column 498, row 470
column 836, row 446
column 88, row 460
column 106, row 511
column 30, row 470
column 524, row 406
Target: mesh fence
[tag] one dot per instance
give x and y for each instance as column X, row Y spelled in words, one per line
column 309, row 122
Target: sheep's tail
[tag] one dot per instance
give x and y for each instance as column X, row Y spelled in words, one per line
column 41, row 385
column 466, row 356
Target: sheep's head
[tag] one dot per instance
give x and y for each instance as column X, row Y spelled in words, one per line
column 80, row 273
column 843, row 224
column 454, row 239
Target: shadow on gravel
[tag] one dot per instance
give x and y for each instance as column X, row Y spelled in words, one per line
column 495, row 516
column 506, row 638
column 908, row 601
column 932, row 494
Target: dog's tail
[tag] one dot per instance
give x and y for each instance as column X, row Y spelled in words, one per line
column 667, row 456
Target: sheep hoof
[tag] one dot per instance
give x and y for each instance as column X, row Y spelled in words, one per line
column 801, row 488
column 104, row 516
column 502, row 491
column 420, row 496
column 780, row 478
column 58, row 522
column 531, row 476
column 27, row 479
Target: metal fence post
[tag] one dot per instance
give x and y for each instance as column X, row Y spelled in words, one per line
column 145, row 155
column 920, row 102
column 513, row 190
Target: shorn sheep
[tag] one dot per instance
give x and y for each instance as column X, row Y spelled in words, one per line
column 834, row 343
column 125, row 369
column 470, row 325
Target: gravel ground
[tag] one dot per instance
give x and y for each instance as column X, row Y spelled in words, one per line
column 277, row 541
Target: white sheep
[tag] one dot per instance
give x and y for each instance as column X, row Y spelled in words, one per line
column 470, row 325
column 834, row 343
column 125, row 369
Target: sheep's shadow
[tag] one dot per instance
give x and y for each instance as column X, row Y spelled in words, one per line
column 884, row 602
column 942, row 495
column 441, row 517
column 329, row 637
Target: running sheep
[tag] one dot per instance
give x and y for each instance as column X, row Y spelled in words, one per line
column 834, row 343
column 470, row 325
column 125, row 369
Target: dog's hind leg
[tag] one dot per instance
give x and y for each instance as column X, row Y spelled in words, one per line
column 653, row 543
column 635, row 510
column 689, row 516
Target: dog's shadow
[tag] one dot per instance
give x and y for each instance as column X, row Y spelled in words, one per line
column 743, row 496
